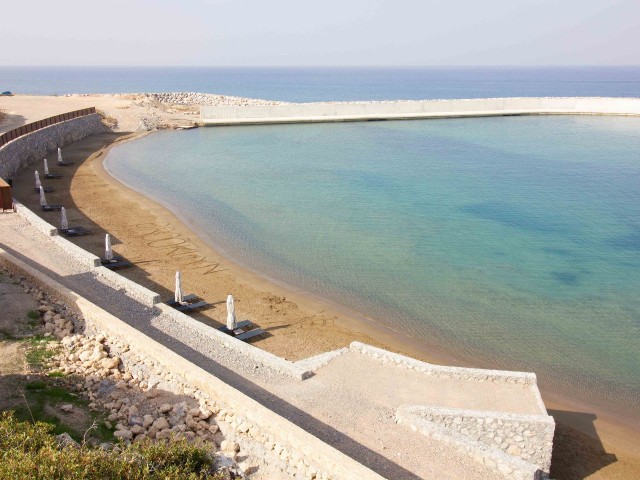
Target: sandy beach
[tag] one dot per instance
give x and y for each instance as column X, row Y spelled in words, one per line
column 588, row 444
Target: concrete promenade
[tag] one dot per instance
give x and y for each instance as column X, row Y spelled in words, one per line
column 328, row 405
column 419, row 109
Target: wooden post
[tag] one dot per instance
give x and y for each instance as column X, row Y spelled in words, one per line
column 6, row 199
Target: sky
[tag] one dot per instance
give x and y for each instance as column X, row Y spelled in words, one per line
column 320, row 32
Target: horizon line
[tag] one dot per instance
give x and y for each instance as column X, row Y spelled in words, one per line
column 332, row 66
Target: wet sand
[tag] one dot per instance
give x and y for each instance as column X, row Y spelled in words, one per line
column 588, row 445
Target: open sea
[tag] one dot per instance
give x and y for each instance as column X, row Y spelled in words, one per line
column 509, row 242
column 326, row 84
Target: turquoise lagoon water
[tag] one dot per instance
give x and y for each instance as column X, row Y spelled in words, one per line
column 509, row 242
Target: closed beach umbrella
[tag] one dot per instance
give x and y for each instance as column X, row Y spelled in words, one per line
column 59, row 155
column 38, row 183
column 43, row 199
column 64, row 224
column 178, row 293
column 231, row 313
column 46, row 167
column 108, row 253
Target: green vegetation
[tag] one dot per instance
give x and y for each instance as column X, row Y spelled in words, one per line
column 6, row 334
column 34, row 318
column 38, row 354
column 30, row 451
column 40, row 399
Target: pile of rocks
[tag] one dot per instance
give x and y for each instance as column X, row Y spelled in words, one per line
column 206, row 99
column 136, row 414
column 57, row 320
column 150, row 121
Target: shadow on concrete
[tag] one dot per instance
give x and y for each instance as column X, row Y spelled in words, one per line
column 577, row 453
column 140, row 316
column 324, row 432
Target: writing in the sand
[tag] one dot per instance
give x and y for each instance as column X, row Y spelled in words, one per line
column 173, row 245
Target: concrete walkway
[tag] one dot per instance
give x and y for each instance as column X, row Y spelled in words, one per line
column 350, row 403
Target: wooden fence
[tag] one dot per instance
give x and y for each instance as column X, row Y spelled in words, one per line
column 32, row 127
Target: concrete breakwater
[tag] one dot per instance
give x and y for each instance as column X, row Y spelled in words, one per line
column 405, row 110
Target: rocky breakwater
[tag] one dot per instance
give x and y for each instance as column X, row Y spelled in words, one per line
column 206, row 99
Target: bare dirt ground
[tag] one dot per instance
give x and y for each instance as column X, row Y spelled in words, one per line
column 23, row 388
column 126, row 110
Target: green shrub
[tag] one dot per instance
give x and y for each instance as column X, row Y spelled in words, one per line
column 29, row 451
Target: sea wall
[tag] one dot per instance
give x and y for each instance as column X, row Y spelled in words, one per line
column 156, row 365
column 150, row 298
column 363, row 111
column 461, row 373
column 510, row 466
column 33, row 147
column 528, row 437
column 205, row 335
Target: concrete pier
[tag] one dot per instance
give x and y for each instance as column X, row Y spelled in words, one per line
column 420, row 109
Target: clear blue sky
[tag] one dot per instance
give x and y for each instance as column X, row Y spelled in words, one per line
column 320, row 32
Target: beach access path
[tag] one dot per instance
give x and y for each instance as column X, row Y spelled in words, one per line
column 350, row 403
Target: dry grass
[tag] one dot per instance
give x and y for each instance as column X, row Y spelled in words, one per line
column 29, row 450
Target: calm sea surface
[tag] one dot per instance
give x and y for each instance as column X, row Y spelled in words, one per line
column 509, row 242
column 317, row 84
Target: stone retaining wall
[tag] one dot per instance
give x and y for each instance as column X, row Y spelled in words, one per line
column 132, row 289
column 46, row 228
column 81, row 255
column 150, row 298
column 528, row 437
column 33, row 147
column 511, row 467
column 222, row 340
column 354, row 111
column 480, row 375
column 305, row 454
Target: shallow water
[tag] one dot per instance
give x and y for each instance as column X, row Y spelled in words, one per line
column 509, row 242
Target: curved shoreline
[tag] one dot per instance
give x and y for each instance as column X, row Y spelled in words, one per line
column 351, row 320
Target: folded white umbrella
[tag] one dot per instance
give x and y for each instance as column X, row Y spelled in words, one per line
column 108, row 252
column 64, row 224
column 231, row 313
column 46, row 167
column 59, row 156
column 178, row 292
column 43, row 199
column 38, row 183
